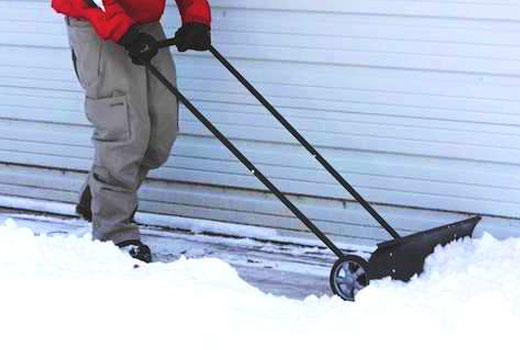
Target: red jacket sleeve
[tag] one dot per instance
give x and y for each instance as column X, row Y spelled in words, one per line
column 110, row 25
column 194, row 11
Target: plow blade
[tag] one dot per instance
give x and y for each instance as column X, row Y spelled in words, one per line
column 403, row 258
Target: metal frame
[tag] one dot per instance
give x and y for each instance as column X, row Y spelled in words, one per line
column 332, row 171
column 409, row 251
column 259, row 175
column 254, row 170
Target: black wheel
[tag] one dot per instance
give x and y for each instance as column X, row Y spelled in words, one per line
column 348, row 276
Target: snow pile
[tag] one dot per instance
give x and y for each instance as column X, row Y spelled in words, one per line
column 70, row 292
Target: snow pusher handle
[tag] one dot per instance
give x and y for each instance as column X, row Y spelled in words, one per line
column 231, row 147
column 399, row 258
column 313, row 151
column 166, row 43
column 330, row 169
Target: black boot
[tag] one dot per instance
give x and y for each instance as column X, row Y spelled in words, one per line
column 83, row 207
column 84, row 210
column 137, row 250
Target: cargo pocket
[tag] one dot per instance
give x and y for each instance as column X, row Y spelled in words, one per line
column 109, row 117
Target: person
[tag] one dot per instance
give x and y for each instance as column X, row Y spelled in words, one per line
column 135, row 118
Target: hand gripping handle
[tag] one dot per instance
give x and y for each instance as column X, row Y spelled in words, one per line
column 166, row 43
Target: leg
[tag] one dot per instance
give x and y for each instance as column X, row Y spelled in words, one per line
column 163, row 107
column 163, row 110
column 117, row 107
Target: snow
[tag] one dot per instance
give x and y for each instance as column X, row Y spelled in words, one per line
column 71, row 292
column 37, row 205
column 199, row 225
column 177, row 222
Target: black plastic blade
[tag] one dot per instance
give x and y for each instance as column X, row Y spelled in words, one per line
column 401, row 259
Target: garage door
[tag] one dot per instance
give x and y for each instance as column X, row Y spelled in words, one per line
column 417, row 103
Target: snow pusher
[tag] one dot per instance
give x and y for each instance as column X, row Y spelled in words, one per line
column 400, row 258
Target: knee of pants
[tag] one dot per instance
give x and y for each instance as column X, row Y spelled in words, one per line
column 115, row 179
column 116, row 164
column 158, row 153
column 160, row 146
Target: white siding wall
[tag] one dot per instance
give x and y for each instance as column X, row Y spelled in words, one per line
column 416, row 102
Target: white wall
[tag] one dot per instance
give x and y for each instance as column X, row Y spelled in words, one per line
column 416, row 102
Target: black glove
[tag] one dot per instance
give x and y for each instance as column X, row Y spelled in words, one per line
column 141, row 47
column 193, row 36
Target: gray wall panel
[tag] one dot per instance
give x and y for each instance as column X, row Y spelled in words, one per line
column 416, row 103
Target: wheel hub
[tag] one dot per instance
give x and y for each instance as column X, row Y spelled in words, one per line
column 348, row 276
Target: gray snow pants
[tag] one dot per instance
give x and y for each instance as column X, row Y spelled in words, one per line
column 135, row 123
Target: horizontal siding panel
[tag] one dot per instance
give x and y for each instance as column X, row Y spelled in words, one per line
column 440, row 144
column 204, row 202
column 381, row 102
column 360, row 54
column 321, row 99
column 451, row 9
column 316, row 182
column 473, row 201
column 67, row 135
column 386, row 166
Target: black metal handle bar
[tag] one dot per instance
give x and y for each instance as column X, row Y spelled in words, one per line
column 166, row 43
column 305, row 143
column 303, row 218
column 357, row 196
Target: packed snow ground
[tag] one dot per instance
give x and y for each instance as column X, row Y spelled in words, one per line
column 65, row 292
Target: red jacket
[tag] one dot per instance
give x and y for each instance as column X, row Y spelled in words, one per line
column 119, row 15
